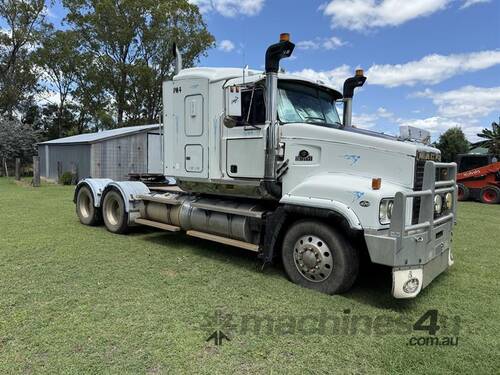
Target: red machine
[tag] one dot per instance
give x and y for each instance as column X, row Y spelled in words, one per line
column 478, row 178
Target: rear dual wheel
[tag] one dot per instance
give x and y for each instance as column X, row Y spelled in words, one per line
column 86, row 211
column 316, row 256
column 114, row 213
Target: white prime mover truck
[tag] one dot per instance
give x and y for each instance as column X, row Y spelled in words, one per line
column 263, row 162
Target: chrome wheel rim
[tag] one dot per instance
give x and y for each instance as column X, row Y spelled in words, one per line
column 113, row 211
column 84, row 205
column 313, row 258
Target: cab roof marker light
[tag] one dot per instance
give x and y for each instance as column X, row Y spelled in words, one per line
column 284, row 37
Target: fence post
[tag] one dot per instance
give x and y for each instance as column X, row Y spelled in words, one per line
column 6, row 168
column 74, row 173
column 18, row 169
column 36, row 171
column 59, row 171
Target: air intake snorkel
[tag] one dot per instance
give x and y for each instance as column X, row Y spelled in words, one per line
column 349, row 85
column 274, row 54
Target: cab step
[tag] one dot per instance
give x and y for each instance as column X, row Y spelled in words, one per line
column 223, row 240
column 155, row 224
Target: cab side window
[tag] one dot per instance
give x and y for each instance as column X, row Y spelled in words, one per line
column 253, row 108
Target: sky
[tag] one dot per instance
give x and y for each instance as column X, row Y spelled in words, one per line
column 433, row 64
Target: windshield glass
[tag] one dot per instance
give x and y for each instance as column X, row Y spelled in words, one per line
column 298, row 102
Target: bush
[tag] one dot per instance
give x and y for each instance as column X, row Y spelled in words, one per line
column 66, row 178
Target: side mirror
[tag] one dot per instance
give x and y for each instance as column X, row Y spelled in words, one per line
column 229, row 122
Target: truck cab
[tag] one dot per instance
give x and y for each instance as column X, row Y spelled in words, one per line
column 263, row 161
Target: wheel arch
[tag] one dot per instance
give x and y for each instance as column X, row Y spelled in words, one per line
column 96, row 187
column 277, row 223
column 128, row 191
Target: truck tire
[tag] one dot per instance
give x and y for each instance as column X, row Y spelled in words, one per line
column 490, row 195
column 316, row 256
column 114, row 214
column 463, row 192
column 87, row 213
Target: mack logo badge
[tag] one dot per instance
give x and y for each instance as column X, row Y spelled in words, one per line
column 303, row 156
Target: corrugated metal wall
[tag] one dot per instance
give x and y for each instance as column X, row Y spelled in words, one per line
column 116, row 158
column 67, row 155
column 155, row 162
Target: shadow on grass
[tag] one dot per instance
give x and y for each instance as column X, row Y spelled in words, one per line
column 372, row 288
column 199, row 247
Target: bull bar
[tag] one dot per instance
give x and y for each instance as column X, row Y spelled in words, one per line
column 430, row 188
column 418, row 252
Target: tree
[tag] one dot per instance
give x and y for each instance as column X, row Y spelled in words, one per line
column 131, row 42
column 25, row 21
column 92, row 104
column 17, row 140
column 491, row 139
column 451, row 143
column 61, row 62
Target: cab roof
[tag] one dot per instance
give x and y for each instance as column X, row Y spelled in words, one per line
column 234, row 76
column 213, row 74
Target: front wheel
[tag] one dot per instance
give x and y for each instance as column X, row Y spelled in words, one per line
column 316, row 256
column 463, row 192
column 490, row 195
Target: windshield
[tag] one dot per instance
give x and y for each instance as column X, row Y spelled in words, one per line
column 298, row 102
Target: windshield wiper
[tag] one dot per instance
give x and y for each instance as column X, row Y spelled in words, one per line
column 315, row 118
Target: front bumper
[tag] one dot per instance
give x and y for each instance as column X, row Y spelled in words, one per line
column 417, row 252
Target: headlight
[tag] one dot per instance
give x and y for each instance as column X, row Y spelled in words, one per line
column 390, row 205
column 448, row 199
column 438, row 204
column 385, row 211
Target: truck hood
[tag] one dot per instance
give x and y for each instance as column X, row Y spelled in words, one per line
column 350, row 152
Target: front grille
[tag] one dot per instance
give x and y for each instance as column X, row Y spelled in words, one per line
column 417, row 186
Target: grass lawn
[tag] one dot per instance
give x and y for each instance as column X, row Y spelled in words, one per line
column 76, row 299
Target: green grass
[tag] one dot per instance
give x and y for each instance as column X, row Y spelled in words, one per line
column 76, row 299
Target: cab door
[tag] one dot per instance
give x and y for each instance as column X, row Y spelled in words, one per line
column 246, row 141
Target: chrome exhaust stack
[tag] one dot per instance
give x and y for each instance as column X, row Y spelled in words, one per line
column 349, row 85
column 274, row 54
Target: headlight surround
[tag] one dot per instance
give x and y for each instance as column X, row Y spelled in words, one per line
column 438, row 204
column 385, row 210
column 448, row 200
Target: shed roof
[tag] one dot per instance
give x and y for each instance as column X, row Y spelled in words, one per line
column 101, row 136
column 479, row 150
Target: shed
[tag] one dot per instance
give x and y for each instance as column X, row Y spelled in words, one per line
column 106, row 154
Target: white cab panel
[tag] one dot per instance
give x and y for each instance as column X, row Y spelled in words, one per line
column 186, row 128
column 193, row 115
column 245, row 157
column 194, row 158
